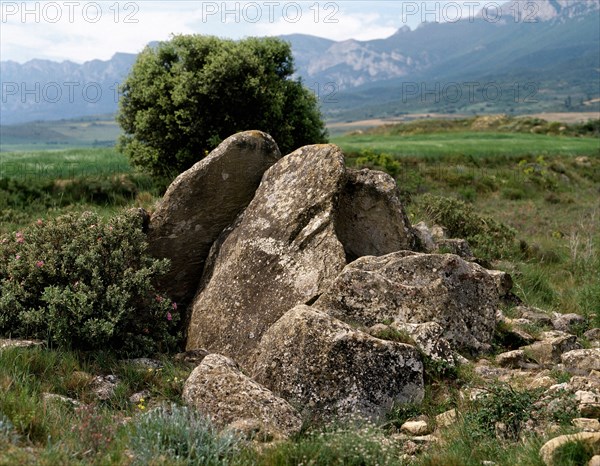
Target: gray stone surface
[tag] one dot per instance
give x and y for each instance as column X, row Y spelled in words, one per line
column 330, row 368
column 201, row 202
column 219, row 389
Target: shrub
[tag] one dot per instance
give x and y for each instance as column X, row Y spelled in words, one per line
column 490, row 238
column 184, row 96
column 180, row 435
column 501, row 410
column 378, row 161
column 80, row 282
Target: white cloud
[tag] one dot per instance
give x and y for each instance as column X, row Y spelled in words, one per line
column 89, row 30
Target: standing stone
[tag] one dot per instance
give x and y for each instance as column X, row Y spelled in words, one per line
column 371, row 220
column 330, row 368
column 417, row 288
column 282, row 251
column 201, row 202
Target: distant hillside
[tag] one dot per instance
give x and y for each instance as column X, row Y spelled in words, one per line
column 534, row 59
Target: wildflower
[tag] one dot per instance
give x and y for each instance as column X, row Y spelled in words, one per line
column 20, row 238
column 169, row 316
column 40, row 222
column 18, row 256
column 39, row 264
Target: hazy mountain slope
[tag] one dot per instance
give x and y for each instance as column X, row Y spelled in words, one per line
column 560, row 52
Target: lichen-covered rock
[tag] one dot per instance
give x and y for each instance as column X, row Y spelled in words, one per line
column 218, row 389
column 549, row 350
column 424, row 237
column 202, row 201
column 370, row 219
column 417, row 288
column 549, row 449
column 460, row 247
column 568, row 322
column 428, row 337
column 281, row 252
column 330, row 368
column 582, row 359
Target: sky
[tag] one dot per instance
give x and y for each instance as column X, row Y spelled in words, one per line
column 85, row 30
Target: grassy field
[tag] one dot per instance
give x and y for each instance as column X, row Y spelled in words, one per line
column 475, row 144
column 545, row 188
column 62, row 163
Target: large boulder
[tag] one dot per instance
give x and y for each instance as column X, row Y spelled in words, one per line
column 417, row 288
column 204, row 200
column 371, row 220
column 280, row 252
column 330, row 368
column 218, row 389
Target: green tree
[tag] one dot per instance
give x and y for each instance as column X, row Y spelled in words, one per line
column 184, row 96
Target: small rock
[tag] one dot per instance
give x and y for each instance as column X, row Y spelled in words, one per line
column 595, row 461
column 547, row 452
column 535, row 315
column 512, row 359
column 504, row 282
column 568, row 322
column 425, row 439
column 593, row 334
column 582, row 359
column 104, row 386
column 10, row 343
column 145, row 363
column 251, row 430
column 438, row 232
column 586, row 424
column 193, row 356
column 139, row 397
column 552, row 347
column 589, row 403
column 446, row 418
column 544, row 381
column 460, row 247
column 416, row 428
column 424, row 236
column 55, row 398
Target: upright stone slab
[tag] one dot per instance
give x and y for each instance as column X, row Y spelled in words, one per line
column 371, row 220
column 282, row 251
column 204, row 200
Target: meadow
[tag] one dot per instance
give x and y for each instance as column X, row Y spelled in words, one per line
column 543, row 185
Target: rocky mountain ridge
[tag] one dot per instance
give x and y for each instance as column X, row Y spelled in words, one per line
column 556, row 39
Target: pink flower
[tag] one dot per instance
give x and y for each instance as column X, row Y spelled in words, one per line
column 19, row 236
column 40, row 221
column 169, row 316
column 174, row 306
column 18, row 256
column 39, row 264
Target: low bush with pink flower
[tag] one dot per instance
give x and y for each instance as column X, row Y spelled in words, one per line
column 79, row 281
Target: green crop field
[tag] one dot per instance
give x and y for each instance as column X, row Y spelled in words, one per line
column 477, row 144
column 62, row 164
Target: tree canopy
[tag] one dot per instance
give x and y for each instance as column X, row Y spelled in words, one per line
column 184, row 96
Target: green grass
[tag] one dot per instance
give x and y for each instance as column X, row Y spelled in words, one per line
column 470, row 144
column 63, row 164
column 550, row 201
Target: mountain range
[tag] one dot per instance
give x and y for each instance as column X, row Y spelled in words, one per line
column 542, row 55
